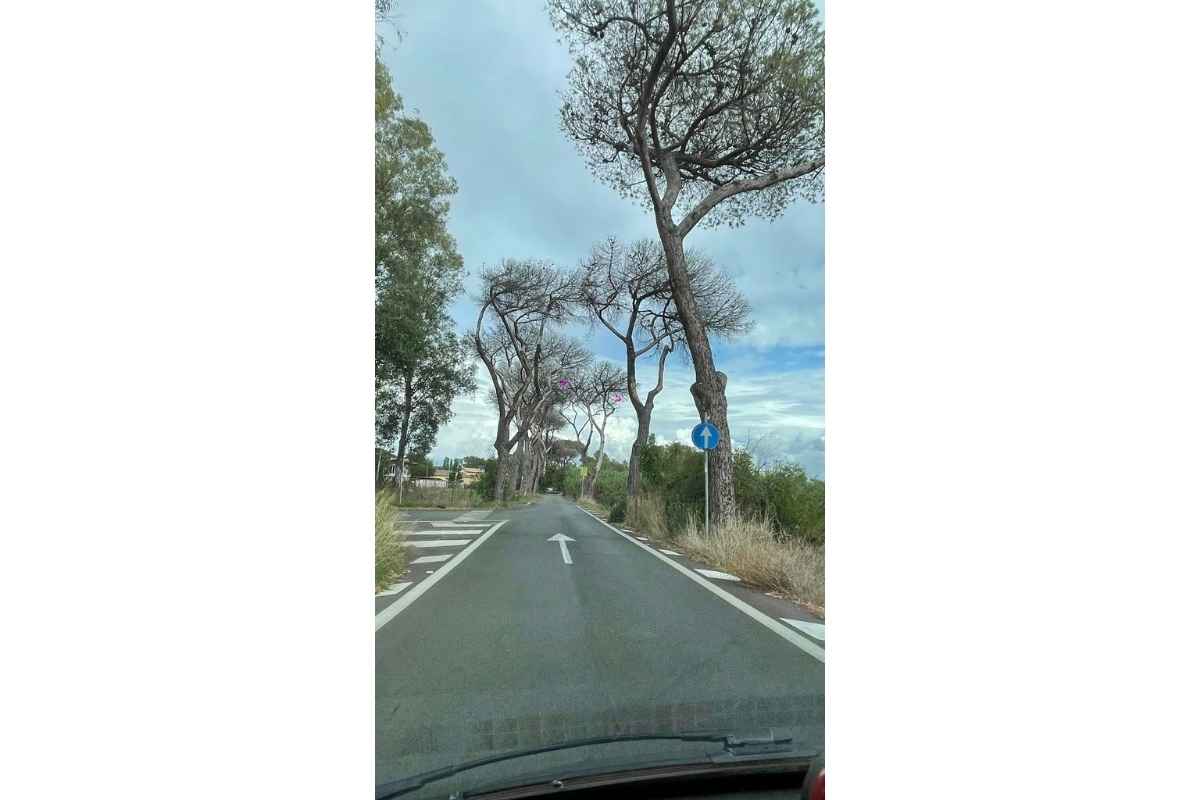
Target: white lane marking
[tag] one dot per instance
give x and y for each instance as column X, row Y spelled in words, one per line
column 814, row 629
column 627, row 530
column 440, row 524
column 432, row 559
column 721, row 576
column 444, row 533
column 389, row 613
column 643, row 538
column 395, row 588
column 670, row 552
column 441, row 543
column 562, row 544
column 792, row 636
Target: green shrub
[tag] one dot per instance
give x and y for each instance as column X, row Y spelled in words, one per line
column 791, row 502
column 573, row 482
column 617, row 514
column 485, row 487
column 611, row 483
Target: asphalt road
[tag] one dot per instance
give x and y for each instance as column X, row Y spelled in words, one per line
column 514, row 648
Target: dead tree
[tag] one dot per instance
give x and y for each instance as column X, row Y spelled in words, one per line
column 712, row 108
column 627, row 289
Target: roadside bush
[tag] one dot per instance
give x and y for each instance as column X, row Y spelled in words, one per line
column 611, row 483
column 573, row 482
column 485, row 487
column 617, row 514
column 391, row 555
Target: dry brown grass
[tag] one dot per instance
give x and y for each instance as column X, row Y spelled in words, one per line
column 748, row 548
column 650, row 517
column 592, row 505
column 391, row 552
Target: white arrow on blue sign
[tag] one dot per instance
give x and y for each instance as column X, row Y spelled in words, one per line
column 705, row 436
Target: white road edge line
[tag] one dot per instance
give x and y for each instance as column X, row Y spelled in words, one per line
column 389, row 613
column 796, row 638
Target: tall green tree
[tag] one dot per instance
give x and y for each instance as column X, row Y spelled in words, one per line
column 420, row 363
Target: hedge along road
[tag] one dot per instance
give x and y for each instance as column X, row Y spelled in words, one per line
column 512, row 647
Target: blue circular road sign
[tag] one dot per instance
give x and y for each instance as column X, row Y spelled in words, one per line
column 705, row 436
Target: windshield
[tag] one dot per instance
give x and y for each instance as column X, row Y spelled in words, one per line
column 599, row 423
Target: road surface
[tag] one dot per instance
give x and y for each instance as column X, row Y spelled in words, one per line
column 506, row 645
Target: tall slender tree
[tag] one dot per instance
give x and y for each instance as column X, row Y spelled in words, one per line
column 420, row 363
column 599, row 393
column 709, row 111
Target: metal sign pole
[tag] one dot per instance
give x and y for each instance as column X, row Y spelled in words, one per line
column 706, row 493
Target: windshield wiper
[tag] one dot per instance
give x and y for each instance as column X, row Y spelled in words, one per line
column 733, row 744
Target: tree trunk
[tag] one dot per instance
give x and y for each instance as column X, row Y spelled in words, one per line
column 502, row 469
column 633, row 485
column 402, row 445
column 594, row 473
column 708, row 392
column 510, row 486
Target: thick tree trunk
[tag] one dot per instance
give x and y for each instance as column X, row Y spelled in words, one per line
column 522, row 467
column 708, row 392
column 510, row 487
column 502, row 469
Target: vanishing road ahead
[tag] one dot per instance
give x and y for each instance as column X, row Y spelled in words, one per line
column 496, row 643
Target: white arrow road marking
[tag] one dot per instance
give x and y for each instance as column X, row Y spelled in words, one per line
column 432, row 559
column 395, row 588
column 562, row 543
column 814, row 629
column 722, row 576
column 441, row 543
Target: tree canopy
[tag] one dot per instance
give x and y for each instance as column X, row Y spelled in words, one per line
column 715, row 104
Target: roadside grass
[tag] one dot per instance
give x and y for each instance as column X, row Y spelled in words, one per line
column 749, row 548
column 593, row 506
column 650, row 516
column 437, row 497
column 391, row 552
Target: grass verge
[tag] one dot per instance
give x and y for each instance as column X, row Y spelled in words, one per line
column 593, row 506
column 391, row 554
column 437, row 497
column 649, row 515
column 748, row 548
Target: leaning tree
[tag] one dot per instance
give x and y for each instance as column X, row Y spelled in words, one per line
column 710, row 108
column 627, row 289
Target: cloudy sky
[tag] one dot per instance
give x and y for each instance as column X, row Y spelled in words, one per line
column 485, row 75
